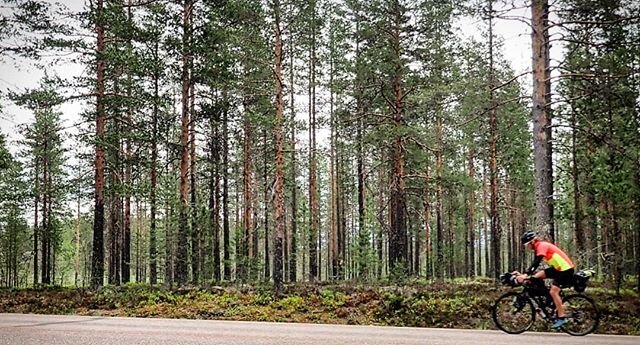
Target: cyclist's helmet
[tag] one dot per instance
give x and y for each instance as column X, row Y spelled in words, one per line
column 527, row 237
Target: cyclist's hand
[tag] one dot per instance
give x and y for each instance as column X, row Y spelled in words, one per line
column 520, row 278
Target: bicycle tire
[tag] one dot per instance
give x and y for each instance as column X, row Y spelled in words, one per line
column 513, row 312
column 582, row 315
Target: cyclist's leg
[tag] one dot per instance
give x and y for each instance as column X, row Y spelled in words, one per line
column 560, row 278
column 555, row 295
column 555, row 290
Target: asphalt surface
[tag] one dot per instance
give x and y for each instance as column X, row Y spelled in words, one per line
column 19, row 329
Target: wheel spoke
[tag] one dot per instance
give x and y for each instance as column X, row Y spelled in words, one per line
column 582, row 315
column 513, row 313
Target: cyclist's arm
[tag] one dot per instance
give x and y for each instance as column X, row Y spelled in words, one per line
column 534, row 265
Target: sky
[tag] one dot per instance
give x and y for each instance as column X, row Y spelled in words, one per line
column 19, row 75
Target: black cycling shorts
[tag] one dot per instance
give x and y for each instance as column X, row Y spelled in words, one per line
column 559, row 277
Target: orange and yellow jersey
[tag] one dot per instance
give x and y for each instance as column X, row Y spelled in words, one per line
column 553, row 255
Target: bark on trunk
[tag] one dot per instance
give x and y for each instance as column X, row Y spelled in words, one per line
column 182, row 250
column 97, row 260
column 439, row 264
column 493, row 165
column 333, row 250
column 126, row 236
column 279, row 183
column 45, row 218
column 577, row 204
column 637, row 214
column 314, row 238
column 115, row 230
column 293, row 264
column 471, row 218
column 247, row 198
column 153, row 266
column 398, row 237
column 426, row 204
column 267, row 266
column 225, row 195
column 214, row 194
column 196, row 237
column 36, row 225
column 541, row 123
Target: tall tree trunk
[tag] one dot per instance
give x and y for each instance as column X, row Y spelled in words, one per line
column 637, row 215
column 398, row 236
column 247, row 198
column 36, row 225
column 97, row 260
column 239, row 232
column 115, row 216
column 46, row 233
column 485, row 223
column 196, row 236
column 126, row 236
column 51, row 269
column 450, row 240
column 577, row 204
column 293, row 264
column 125, row 263
column 267, row 266
column 153, row 265
column 45, row 218
column 169, row 247
column 279, row 193
column 76, row 263
column 182, row 255
column 513, row 238
column 382, row 224
column 541, row 124
column 439, row 264
column 138, row 259
column 426, row 204
column 333, row 248
column 225, row 193
column 493, row 159
column 470, row 220
column 615, row 244
column 361, row 192
column 214, row 194
column 314, row 219
column 342, row 216
column 549, row 114
column 359, row 95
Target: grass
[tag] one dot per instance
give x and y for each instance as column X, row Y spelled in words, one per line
column 464, row 304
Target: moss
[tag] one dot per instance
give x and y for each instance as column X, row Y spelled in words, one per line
column 464, row 304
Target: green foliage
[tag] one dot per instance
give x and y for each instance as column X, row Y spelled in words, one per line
column 463, row 305
column 291, row 304
column 333, row 299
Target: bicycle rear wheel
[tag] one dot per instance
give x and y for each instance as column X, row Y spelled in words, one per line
column 513, row 312
column 582, row 314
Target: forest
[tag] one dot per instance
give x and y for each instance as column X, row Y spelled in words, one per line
column 283, row 141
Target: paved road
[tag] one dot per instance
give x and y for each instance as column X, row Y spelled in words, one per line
column 18, row 329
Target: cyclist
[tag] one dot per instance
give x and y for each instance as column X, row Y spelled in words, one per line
column 560, row 269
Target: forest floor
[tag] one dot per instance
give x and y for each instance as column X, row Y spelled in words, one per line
column 445, row 305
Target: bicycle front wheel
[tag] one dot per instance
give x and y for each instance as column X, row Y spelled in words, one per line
column 513, row 312
column 582, row 315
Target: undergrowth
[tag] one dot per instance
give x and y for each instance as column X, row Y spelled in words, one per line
column 464, row 304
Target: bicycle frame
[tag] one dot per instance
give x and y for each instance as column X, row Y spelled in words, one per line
column 543, row 303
